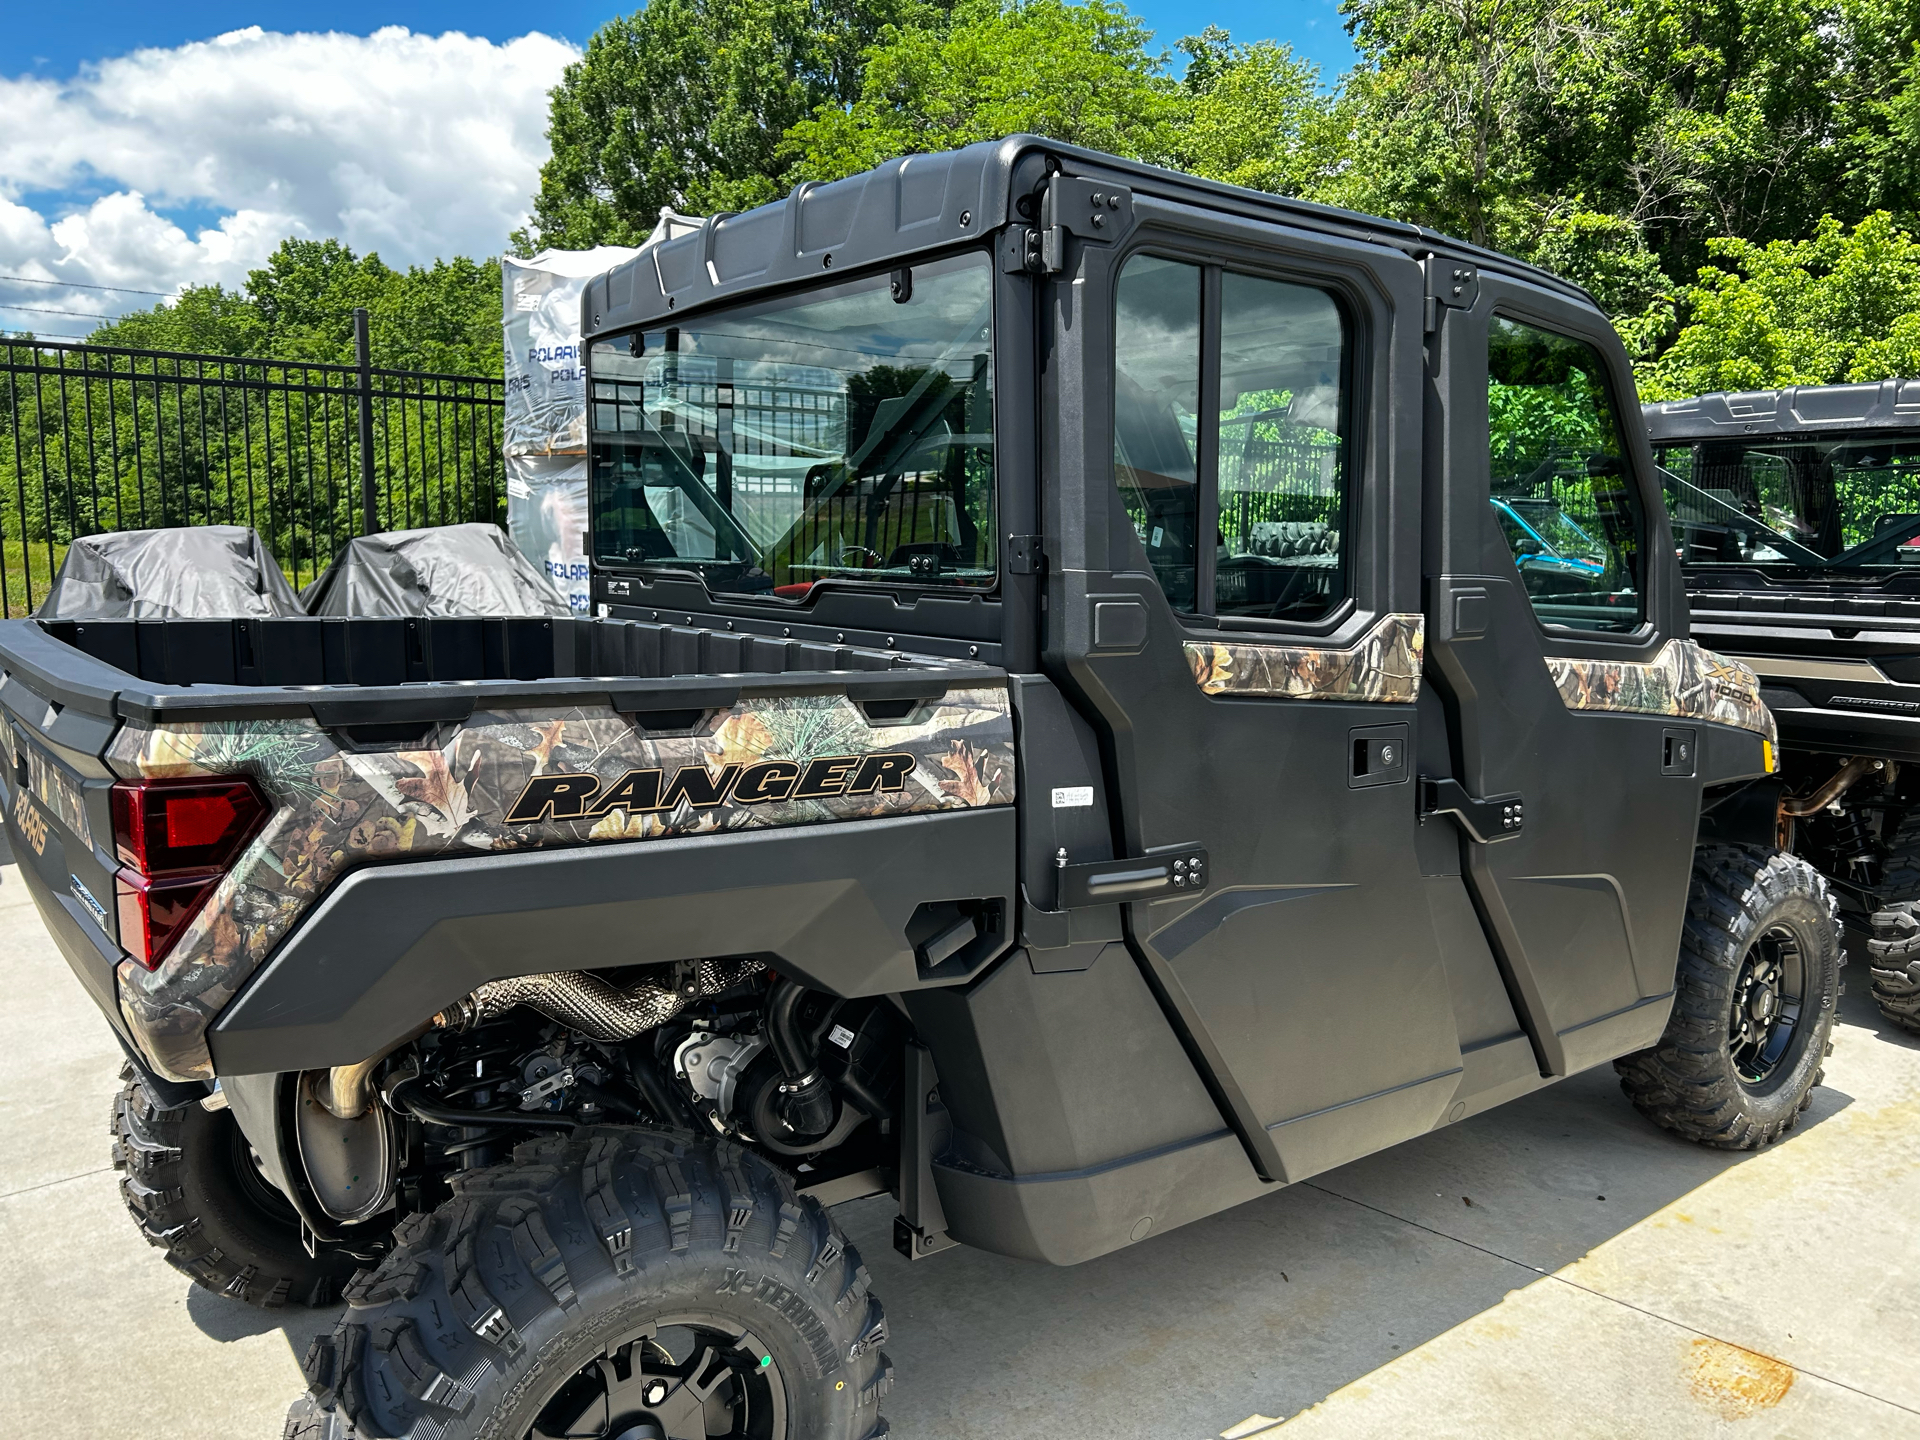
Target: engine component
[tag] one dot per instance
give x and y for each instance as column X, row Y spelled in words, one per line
column 1853, row 843
column 806, row 1103
column 592, row 1005
column 350, row 1163
column 1798, row 808
column 712, row 1065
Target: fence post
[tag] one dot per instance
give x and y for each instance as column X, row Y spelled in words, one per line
column 369, row 500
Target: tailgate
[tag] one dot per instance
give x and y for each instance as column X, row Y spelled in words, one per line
column 54, row 785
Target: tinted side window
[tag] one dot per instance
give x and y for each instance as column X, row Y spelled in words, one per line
column 1561, row 488
column 1156, row 413
column 1283, row 443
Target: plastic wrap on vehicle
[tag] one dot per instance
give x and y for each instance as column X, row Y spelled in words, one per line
column 185, row 572
column 449, row 570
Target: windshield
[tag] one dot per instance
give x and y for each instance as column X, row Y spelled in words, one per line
column 841, row 434
column 1826, row 502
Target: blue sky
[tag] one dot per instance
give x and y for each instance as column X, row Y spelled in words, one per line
column 48, row 40
column 157, row 146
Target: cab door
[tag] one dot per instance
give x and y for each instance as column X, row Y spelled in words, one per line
column 1552, row 586
column 1231, row 504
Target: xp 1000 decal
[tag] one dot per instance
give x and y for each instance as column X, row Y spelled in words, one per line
column 1684, row 679
column 523, row 779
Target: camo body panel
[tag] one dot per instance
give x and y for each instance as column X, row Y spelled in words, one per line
column 1684, row 680
column 1383, row 666
column 336, row 810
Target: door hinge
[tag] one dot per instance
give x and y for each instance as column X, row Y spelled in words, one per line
column 1096, row 210
column 1024, row 555
column 1452, row 283
column 1498, row 817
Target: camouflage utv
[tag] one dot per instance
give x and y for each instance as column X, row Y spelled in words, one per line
column 1064, row 741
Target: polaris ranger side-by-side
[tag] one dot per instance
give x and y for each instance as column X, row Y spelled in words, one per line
column 1068, row 737
column 1797, row 517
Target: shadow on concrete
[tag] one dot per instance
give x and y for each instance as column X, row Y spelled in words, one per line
column 1266, row 1308
column 1270, row 1307
column 1856, row 1006
column 224, row 1320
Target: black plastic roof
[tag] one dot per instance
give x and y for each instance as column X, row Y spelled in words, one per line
column 922, row 203
column 1727, row 415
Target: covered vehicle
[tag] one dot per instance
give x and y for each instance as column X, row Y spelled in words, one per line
column 180, row 573
column 445, row 570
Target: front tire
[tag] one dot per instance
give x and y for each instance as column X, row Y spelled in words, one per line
column 1753, row 1003
column 610, row 1283
column 193, row 1187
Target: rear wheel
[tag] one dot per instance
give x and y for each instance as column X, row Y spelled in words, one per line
column 609, row 1285
column 195, row 1188
column 1753, row 1005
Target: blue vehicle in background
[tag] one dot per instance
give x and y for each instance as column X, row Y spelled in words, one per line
column 1545, row 541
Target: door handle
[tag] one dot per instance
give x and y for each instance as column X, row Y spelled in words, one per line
column 1179, row 870
column 1498, row 817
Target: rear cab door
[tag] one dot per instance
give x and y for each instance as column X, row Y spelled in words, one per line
column 1231, row 495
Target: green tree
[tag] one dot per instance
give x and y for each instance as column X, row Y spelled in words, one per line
column 1079, row 73
column 1842, row 306
column 1440, row 121
column 1256, row 115
column 299, row 306
column 1620, row 135
column 684, row 104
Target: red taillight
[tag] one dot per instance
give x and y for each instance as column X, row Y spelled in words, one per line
column 176, row 838
column 168, row 827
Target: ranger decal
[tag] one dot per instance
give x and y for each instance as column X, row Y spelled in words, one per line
column 641, row 792
column 520, row 779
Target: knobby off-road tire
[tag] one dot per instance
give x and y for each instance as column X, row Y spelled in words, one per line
column 192, row 1187
column 1740, row 1081
column 1900, row 871
column 533, row 1292
column 1894, row 955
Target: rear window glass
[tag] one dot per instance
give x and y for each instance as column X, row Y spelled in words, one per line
column 842, row 434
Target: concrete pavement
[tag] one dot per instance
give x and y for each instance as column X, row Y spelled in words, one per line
column 1556, row 1267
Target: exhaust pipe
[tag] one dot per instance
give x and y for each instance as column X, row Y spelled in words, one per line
column 1837, row 785
column 595, row 1007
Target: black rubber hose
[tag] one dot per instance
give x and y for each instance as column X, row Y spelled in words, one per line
column 446, row 1115
column 660, row 1098
column 806, row 1098
column 791, row 1045
column 861, row 1096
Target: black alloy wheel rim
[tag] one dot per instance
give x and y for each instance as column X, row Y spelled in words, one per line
column 684, row 1377
column 1769, row 995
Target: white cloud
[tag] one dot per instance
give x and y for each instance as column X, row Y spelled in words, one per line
column 416, row 146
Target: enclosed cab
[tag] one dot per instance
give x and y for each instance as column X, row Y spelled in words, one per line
column 1796, row 516
column 1106, row 695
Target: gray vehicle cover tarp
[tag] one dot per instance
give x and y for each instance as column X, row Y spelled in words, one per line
column 447, row 570
column 185, row 572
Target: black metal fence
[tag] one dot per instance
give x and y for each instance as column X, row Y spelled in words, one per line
column 95, row 439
